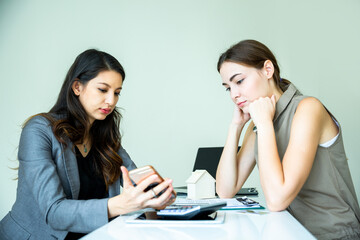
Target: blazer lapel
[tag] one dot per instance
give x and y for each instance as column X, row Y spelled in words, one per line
column 72, row 170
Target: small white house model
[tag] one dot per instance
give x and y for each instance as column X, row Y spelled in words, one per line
column 200, row 185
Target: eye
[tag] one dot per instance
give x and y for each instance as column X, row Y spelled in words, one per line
column 117, row 93
column 240, row 81
column 227, row 89
column 102, row 90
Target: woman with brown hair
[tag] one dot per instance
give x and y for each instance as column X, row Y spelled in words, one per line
column 295, row 141
column 71, row 160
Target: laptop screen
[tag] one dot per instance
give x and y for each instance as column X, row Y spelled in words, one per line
column 207, row 158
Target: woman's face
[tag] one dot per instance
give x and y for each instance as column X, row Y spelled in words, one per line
column 244, row 83
column 100, row 95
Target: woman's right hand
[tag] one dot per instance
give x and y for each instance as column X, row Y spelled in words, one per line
column 134, row 198
column 239, row 117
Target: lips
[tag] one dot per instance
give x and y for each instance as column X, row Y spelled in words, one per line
column 241, row 104
column 105, row 110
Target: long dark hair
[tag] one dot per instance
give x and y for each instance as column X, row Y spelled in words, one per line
column 254, row 54
column 70, row 121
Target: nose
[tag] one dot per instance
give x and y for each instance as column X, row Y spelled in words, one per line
column 234, row 94
column 110, row 99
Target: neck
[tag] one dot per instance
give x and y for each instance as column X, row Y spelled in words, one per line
column 278, row 94
column 275, row 90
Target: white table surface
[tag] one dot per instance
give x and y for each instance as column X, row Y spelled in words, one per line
column 243, row 224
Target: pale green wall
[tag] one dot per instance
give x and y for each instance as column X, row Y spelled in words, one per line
column 173, row 100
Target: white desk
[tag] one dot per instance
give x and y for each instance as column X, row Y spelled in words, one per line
column 280, row 225
column 237, row 225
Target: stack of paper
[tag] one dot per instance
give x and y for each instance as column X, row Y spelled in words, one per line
column 231, row 203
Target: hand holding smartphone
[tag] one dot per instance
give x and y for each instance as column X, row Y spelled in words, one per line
column 139, row 174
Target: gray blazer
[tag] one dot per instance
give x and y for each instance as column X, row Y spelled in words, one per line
column 48, row 186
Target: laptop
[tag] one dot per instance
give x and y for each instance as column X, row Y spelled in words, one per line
column 207, row 158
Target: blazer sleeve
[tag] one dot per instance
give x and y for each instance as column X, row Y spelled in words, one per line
column 127, row 162
column 43, row 173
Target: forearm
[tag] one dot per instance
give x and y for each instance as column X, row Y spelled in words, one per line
column 115, row 207
column 227, row 171
column 78, row 215
column 270, row 167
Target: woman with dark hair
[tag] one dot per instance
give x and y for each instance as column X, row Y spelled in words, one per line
column 295, row 141
column 71, row 161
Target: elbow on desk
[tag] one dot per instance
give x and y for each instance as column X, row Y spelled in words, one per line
column 274, row 208
column 276, row 205
column 223, row 194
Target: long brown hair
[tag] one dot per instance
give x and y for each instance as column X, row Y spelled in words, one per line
column 254, row 54
column 69, row 120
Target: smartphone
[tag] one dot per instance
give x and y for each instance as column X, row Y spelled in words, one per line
column 139, row 174
column 247, row 191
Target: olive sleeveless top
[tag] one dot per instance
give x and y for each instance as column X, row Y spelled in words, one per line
column 327, row 204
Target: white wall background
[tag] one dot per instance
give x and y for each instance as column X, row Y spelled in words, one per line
column 173, row 101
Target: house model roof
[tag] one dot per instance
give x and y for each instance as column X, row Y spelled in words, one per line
column 195, row 176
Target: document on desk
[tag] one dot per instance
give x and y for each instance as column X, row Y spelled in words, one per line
column 239, row 203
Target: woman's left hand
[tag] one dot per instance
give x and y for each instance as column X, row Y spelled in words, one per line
column 262, row 110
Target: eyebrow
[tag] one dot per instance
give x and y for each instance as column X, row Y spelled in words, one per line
column 108, row 85
column 231, row 78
